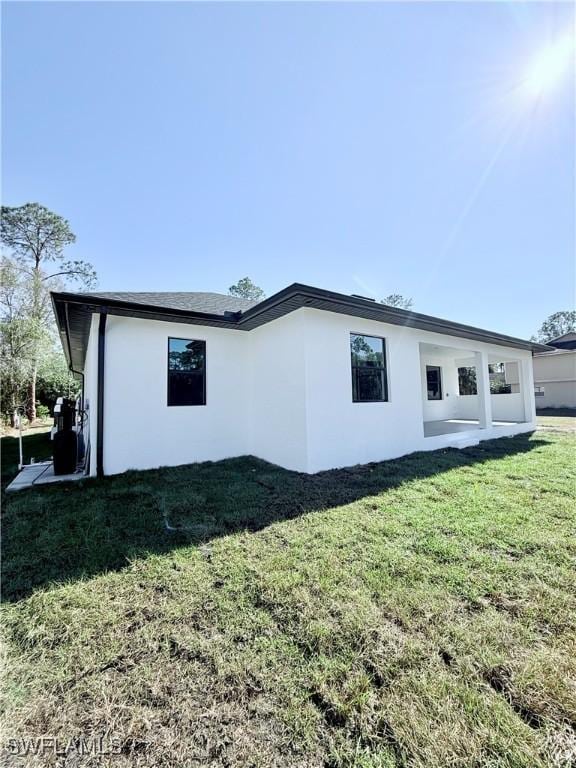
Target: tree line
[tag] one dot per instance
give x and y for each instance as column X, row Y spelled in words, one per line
column 33, row 263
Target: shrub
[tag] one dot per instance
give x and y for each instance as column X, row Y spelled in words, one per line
column 54, row 380
column 499, row 387
column 42, row 411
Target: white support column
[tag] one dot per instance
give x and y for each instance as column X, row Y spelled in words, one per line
column 526, row 379
column 483, row 386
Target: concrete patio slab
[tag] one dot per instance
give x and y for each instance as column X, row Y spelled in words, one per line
column 41, row 473
column 448, row 426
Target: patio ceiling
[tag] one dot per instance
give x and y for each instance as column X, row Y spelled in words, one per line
column 464, row 356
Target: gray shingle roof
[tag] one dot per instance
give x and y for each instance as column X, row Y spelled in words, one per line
column 211, row 303
column 74, row 314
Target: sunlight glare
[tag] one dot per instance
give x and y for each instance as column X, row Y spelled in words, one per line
column 549, row 66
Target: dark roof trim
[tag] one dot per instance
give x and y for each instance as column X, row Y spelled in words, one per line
column 136, row 309
column 80, row 307
column 307, row 296
column 556, row 351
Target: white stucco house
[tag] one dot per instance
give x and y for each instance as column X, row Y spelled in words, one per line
column 308, row 379
column 554, row 374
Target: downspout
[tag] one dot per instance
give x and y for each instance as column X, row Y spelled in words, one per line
column 100, row 399
column 71, row 366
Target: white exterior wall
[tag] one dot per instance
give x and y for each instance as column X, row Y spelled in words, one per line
column 508, row 407
column 90, row 395
column 557, row 394
column 467, row 407
column 556, row 372
column 341, row 432
column 140, row 430
column 282, row 392
column 277, row 406
column 435, row 410
column 504, row 407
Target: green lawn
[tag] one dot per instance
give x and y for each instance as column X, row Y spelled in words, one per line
column 419, row 612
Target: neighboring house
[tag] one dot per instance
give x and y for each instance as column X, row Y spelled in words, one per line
column 307, row 379
column 554, row 374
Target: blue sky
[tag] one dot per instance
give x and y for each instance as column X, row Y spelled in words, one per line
column 365, row 148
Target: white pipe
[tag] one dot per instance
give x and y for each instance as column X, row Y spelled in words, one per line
column 19, row 414
column 21, row 463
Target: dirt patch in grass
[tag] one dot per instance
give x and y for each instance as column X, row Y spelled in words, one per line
column 499, row 678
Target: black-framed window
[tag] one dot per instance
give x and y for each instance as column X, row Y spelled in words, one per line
column 369, row 379
column 186, row 372
column 467, row 384
column 434, row 382
column 497, row 376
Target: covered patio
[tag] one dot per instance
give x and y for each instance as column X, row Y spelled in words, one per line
column 449, row 426
column 465, row 390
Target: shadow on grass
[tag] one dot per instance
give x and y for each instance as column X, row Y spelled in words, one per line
column 67, row 531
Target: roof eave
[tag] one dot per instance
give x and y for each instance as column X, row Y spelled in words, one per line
column 135, row 309
column 392, row 315
column 295, row 296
